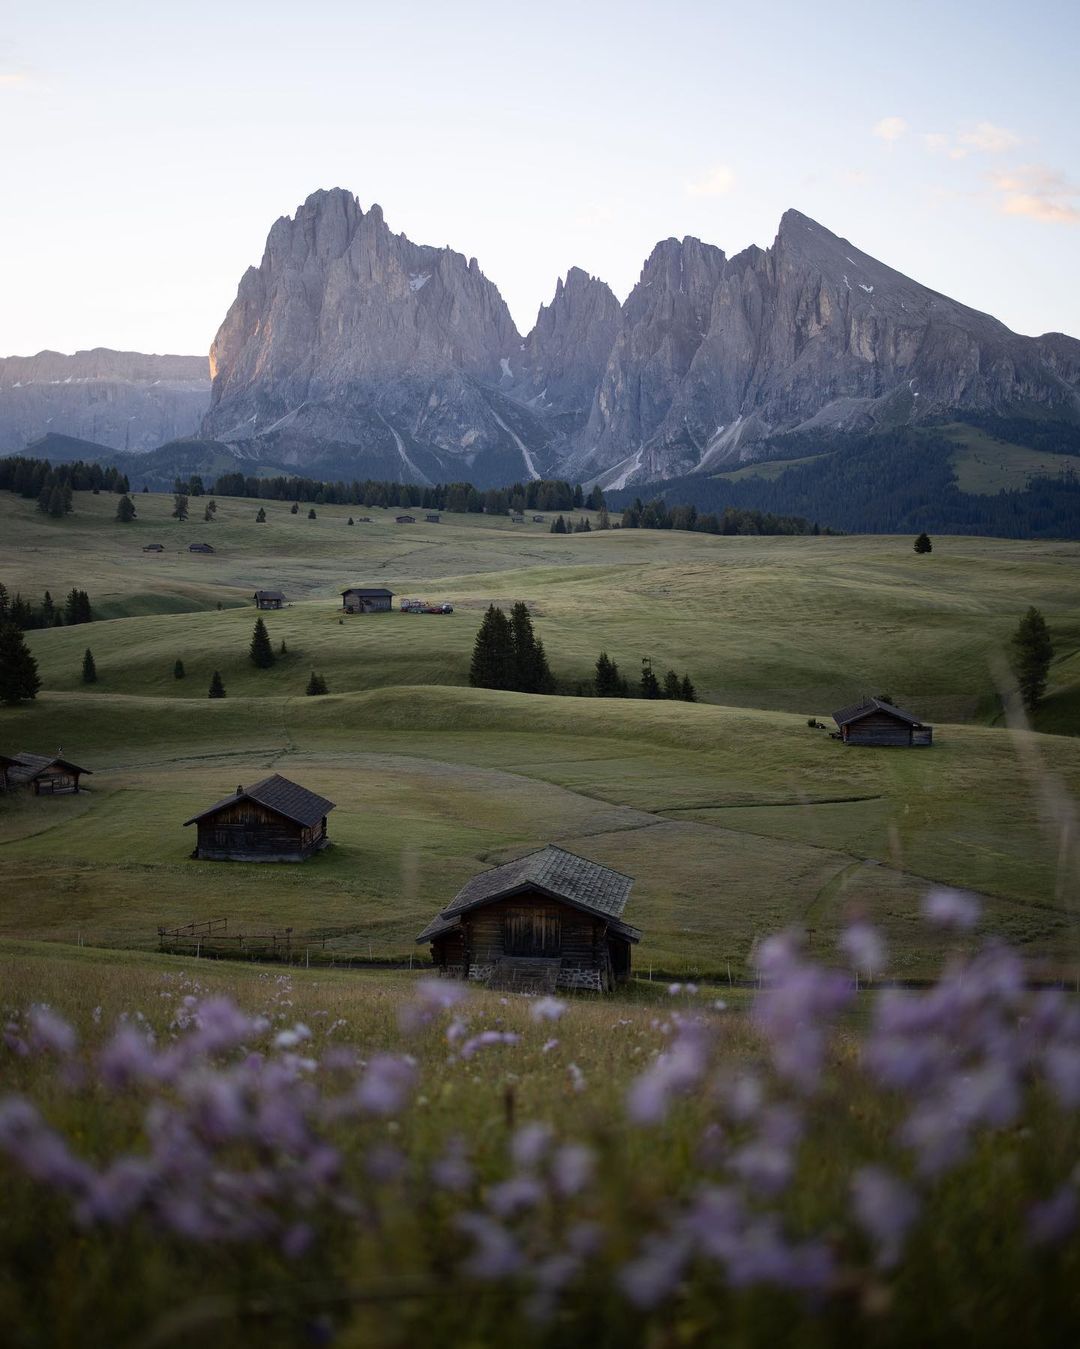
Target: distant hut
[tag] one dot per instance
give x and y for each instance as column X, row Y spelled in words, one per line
column 5, row 765
column 200, row 548
column 432, row 519
column 876, row 722
column 549, row 920
column 538, row 519
column 153, row 548
column 274, row 821
column 269, row 599
column 44, row 776
column 405, row 519
column 517, row 519
column 366, row 600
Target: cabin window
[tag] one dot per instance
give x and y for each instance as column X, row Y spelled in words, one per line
column 532, row 932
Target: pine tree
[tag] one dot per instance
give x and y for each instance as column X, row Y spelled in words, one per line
column 923, row 544
column 579, row 498
column 351, row 520
column 283, row 650
column 650, row 687
column 77, row 607
column 260, row 518
column 180, row 506
column 316, row 685
column 294, row 509
column 558, row 526
column 606, row 681
column 125, row 510
column 531, row 673
column 672, row 686
column 89, row 669
column 311, row 514
column 603, row 520
column 18, row 668
column 58, row 503
column 178, row 670
column 1032, row 653
column 492, row 665
column 48, row 611
column 217, row 688
column 687, row 691
column 260, row 651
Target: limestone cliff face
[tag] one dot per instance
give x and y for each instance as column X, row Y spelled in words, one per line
column 123, row 399
column 809, row 334
column 351, row 336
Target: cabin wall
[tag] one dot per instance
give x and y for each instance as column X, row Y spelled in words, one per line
column 536, row 927
column 56, row 783
column 248, row 831
column 877, row 728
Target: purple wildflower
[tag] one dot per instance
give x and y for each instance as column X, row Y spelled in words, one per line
column 864, row 947
column 572, row 1168
column 547, row 1009
column 386, row 1084
column 50, row 1033
column 951, row 908
column 517, row 1193
column 885, row 1208
column 674, row 1072
column 530, row 1145
column 486, row 1039
column 1054, row 1220
column 496, row 1254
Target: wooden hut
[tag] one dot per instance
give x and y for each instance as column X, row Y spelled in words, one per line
column 200, row 548
column 274, row 821
column 876, row 722
column 153, row 548
column 44, row 776
column 405, row 519
column 432, row 519
column 5, row 765
column 269, row 599
column 367, row 600
column 549, row 920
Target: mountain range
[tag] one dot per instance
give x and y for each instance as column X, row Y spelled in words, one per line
column 352, row 351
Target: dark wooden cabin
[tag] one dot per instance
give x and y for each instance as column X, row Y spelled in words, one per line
column 200, row 548
column 548, row 920
column 274, row 821
column 44, row 776
column 5, row 765
column 367, row 600
column 405, row 520
column 432, row 519
column 269, row 599
column 153, row 548
column 874, row 722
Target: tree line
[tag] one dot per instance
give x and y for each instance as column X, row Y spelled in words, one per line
column 656, row 514
column 53, row 486
column 545, row 494
column 20, row 613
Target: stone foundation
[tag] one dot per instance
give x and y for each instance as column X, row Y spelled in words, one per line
column 579, row 978
column 480, row 974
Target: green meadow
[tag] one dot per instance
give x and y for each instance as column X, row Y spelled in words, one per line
column 733, row 815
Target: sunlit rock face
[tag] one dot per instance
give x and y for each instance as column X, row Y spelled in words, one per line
column 122, row 399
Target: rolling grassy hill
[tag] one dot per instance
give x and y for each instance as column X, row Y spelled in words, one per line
column 734, row 816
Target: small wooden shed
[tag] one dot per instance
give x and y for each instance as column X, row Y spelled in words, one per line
column 153, row 548
column 44, row 776
column 274, row 821
column 367, row 600
column 432, row 519
column 548, row 920
column 876, row 722
column 269, row 599
column 200, row 548
column 405, row 519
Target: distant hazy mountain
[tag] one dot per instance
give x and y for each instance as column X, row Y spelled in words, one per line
column 121, row 399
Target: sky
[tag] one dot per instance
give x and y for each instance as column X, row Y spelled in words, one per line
column 147, row 149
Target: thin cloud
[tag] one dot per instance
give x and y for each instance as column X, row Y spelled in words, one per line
column 983, row 138
column 1040, row 194
column 891, row 129
column 715, row 183
column 13, row 79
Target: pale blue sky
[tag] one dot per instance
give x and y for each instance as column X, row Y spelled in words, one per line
column 147, row 148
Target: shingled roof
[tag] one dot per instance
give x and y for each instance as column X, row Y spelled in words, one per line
column 29, row 766
column 368, row 590
column 269, row 595
column 858, row 710
column 277, row 794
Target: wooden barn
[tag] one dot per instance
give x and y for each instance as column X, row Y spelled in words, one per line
column 548, row 920
column 153, row 548
column 44, row 776
column 405, row 519
column 200, row 548
column 367, row 600
column 269, row 599
column 274, row 821
column 875, row 722
column 432, row 519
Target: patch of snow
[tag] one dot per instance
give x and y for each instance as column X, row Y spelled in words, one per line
column 401, row 451
column 851, row 260
column 522, row 347
column 847, row 282
column 869, row 289
column 632, row 466
column 530, row 467
column 504, row 361
column 418, row 280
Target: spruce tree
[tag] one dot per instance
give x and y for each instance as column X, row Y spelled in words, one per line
column 178, row 670
column 316, row 685
column 260, row 651
column 125, row 510
column 217, row 688
column 492, row 665
column 180, row 506
column 48, row 611
column 283, row 650
column 18, row 668
column 260, row 518
column 58, row 503
column 923, row 544
column 351, row 520
column 687, row 691
column 1032, row 653
column 672, row 686
column 606, row 681
column 311, row 514
column 294, row 509
column 650, row 686
column 89, row 669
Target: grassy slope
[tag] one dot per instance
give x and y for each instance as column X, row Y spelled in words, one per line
column 734, row 817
